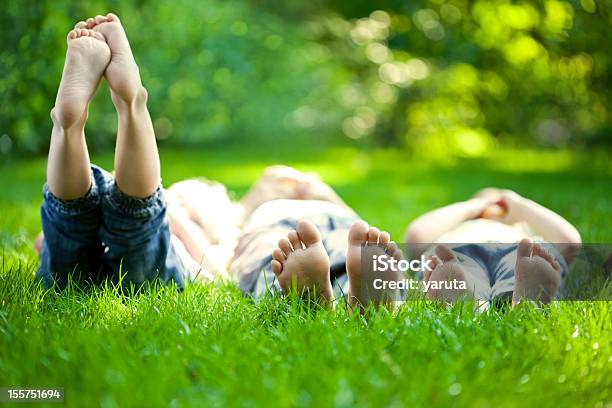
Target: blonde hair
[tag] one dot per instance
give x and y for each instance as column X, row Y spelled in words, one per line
column 209, row 205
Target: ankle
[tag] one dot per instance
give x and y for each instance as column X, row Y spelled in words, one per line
column 68, row 120
column 128, row 101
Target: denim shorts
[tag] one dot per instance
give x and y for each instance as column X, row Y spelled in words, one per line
column 107, row 236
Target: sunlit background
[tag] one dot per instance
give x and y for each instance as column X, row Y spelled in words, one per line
column 443, row 76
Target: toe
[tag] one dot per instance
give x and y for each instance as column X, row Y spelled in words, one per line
column 435, row 262
column 295, row 240
column 90, row 22
column 398, row 254
column 278, row 255
column 100, row 19
column 80, row 24
column 308, row 233
column 390, row 248
column 72, row 35
column 555, row 264
column 112, row 17
column 546, row 255
column 285, row 246
column 537, row 250
column 277, row 267
column 373, row 235
column 358, row 233
column 384, row 238
column 445, row 254
column 525, row 247
column 393, row 251
column 540, row 251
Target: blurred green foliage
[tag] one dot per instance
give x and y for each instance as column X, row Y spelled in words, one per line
column 428, row 74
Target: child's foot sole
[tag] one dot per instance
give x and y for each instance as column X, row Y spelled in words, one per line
column 366, row 285
column 447, row 280
column 122, row 72
column 87, row 57
column 301, row 262
column 537, row 274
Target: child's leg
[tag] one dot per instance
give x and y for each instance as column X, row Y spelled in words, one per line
column 68, row 174
column 137, row 169
column 135, row 229
column 136, row 157
column 68, row 167
column 70, row 212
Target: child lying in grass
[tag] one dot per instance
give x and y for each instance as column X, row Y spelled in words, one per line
column 97, row 226
column 493, row 248
column 321, row 237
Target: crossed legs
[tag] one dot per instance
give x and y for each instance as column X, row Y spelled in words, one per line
column 99, row 47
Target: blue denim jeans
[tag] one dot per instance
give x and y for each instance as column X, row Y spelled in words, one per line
column 107, row 235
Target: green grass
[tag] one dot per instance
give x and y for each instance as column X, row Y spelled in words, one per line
column 210, row 346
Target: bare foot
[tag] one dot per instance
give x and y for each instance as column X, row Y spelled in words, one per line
column 301, row 262
column 122, row 73
column 446, row 281
column 86, row 59
column 537, row 274
column 366, row 284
